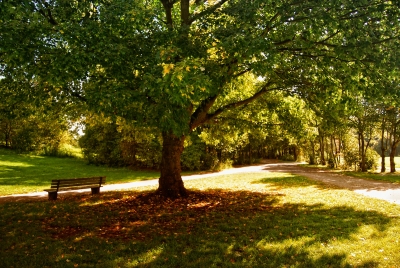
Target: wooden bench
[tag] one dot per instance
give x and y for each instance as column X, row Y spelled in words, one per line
column 75, row 184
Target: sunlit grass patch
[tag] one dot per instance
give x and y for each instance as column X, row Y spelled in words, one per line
column 28, row 173
column 390, row 177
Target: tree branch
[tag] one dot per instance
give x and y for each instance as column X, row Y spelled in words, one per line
column 208, row 11
column 49, row 16
column 200, row 115
column 185, row 5
column 207, row 117
column 268, row 28
column 168, row 4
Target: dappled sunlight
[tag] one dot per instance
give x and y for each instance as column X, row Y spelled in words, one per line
column 241, row 220
column 5, row 165
column 248, row 226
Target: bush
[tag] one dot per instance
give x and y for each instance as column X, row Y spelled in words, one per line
column 211, row 160
column 148, row 153
column 112, row 144
column 223, row 165
column 100, row 145
column 25, row 140
column 351, row 158
column 287, row 157
column 331, row 162
column 371, row 159
column 193, row 156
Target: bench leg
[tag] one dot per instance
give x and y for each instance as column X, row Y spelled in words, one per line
column 52, row 195
column 96, row 190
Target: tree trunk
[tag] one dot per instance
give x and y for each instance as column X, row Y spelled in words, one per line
column 393, row 148
column 363, row 165
column 322, row 148
column 312, row 156
column 170, row 181
column 383, row 151
column 392, row 163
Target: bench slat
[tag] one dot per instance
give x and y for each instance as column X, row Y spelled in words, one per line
column 72, row 188
column 76, row 183
column 81, row 179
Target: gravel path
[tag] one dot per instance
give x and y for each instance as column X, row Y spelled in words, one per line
column 376, row 189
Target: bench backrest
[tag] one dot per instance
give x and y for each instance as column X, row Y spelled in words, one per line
column 78, row 182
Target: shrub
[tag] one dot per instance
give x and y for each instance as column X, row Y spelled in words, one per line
column 100, row 145
column 351, row 158
column 371, row 159
column 193, row 155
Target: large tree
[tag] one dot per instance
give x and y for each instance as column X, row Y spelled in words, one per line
column 170, row 63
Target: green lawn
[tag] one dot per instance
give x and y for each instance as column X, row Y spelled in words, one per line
column 387, row 176
column 244, row 220
column 28, row 173
column 387, row 163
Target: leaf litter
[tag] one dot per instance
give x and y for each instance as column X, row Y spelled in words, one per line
column 143, row 216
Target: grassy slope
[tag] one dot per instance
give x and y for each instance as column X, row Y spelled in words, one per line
column 243, row 220
column 26, row 173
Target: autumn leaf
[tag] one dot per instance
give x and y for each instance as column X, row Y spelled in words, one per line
column 167, row 68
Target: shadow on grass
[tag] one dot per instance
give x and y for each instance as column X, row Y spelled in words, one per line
column 215, row 228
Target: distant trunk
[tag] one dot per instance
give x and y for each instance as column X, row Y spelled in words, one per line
column 333, row 151
column 383, row 147
column 7, row 134
column 383, row 153
column 295, row 153
column 313, row 157
column 170, row 181
column 393, row 147
column 322, row 147
column 392, row 163
column 363, row 149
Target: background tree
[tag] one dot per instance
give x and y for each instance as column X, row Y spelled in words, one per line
column 393, row 125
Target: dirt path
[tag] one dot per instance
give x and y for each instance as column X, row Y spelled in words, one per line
column 376, row 189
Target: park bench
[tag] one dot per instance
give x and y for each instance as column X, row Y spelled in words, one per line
column 75, row 184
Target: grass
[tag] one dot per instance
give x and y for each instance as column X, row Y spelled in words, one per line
column 395, row 177
column 387, row 162
column 390, row 177
column 29, row 173
column 243, row 220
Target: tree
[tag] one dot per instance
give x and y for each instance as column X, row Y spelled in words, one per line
column 169, row 63
column 365, row 119
column 393, row 125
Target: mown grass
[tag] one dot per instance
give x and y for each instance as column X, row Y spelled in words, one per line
column 387, row 162
column 243, row 220
column 30, row 173
column 395, row 177
column 390, row 177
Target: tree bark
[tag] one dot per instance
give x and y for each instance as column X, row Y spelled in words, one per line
column 392, row 163
column 392, row 154
column 363, row 165
column 322, row 147
column 170, row 181
column 383, row 147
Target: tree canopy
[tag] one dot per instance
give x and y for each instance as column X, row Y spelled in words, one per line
column 173, row 64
